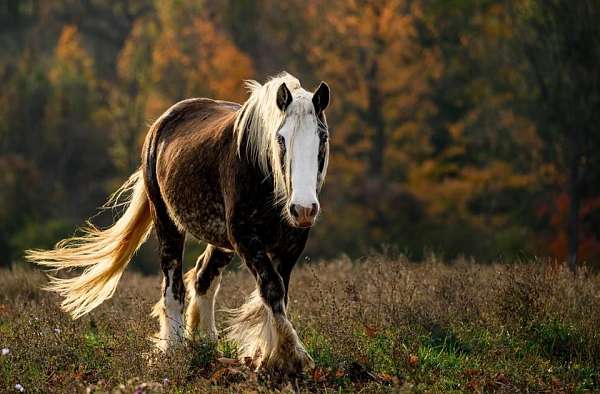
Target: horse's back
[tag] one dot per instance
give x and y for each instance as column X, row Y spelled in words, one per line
column 195, row 138
column 195, row 117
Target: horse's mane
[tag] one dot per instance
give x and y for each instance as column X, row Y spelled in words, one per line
column 258, row 120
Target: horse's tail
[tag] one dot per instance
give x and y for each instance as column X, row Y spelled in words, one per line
column 105, row 253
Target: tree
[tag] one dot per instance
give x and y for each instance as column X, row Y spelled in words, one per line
column 481, row 181
column 562, row 45
column 466, row 127
column 380, row 76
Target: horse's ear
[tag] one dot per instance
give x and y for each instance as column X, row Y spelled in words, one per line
column 321, row 97
column 284, row 97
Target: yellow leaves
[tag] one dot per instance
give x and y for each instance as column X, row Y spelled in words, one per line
column 132, row 61
column 413, row 360
column 494, row 21
column 71, row 61
column 181, row 53
column 369, row 50
column 200, row 59
column 224, row 65
column 451, row 195
column 68, row 43
column 456, row 129
column 74, row 86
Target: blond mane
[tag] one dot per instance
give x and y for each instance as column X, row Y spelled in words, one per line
column 258, row 120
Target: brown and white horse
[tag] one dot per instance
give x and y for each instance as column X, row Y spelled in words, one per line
column 242, row 178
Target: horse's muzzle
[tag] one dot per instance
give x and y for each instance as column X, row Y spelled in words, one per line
column 304, row 216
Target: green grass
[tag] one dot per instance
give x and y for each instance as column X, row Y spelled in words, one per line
column 376, row 326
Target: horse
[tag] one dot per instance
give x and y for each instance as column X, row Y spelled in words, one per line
column 245, row 180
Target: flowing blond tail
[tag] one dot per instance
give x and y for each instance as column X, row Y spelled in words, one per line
column 105, row 253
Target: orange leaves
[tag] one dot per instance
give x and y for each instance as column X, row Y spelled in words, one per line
column 413, row 360
column 451, row 189
column 179, row 53
column 74, row 85
column 69, row 43
column 556, row 213
column 369, row 53
column 224, row 66
column 227, row 375
column 320, row 375
column 132, row 61
column 71, row 61
column 370, row 329
column 214, row 61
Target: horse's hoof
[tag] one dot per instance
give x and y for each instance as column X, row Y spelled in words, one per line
column 288, row 361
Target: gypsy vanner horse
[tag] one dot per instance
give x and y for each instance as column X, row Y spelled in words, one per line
column 242, row 178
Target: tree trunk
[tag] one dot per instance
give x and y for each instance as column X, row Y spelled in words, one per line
column 375, row 120
column 575, row 197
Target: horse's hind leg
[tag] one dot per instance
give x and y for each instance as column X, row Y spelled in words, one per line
column 169, row 309
column 203, row 282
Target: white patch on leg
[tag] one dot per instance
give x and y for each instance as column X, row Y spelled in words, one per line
column 269, row 340
column 169, row 312
column 289, row 355
column 201, row 310
column 250, row 327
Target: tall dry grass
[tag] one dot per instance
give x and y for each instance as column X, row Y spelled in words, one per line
column 380, row 324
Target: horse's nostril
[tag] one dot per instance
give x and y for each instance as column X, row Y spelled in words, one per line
column 314, row 210
column 293, row 211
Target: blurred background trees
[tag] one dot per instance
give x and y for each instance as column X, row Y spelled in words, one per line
column 458, row 127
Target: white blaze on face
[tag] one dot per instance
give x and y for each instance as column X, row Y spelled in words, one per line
column 300, row 133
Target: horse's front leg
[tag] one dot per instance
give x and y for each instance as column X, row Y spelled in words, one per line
column 286, row 255
column 260, row 327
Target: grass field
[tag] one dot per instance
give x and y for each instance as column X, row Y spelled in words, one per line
column 376, row 325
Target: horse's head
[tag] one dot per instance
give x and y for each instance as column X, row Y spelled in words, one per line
column 303, row 149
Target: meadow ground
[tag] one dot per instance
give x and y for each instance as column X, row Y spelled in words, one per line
column 376, row 325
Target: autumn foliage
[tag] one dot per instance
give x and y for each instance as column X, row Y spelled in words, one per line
column 449, row 124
